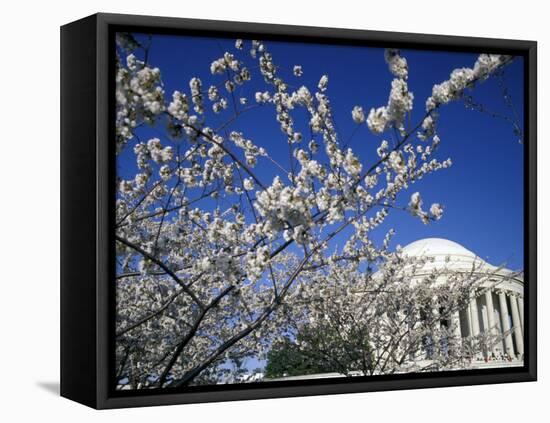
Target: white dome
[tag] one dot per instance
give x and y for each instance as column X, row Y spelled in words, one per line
column 436, row 247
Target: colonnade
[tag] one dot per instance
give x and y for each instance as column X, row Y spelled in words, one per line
column 498, row 313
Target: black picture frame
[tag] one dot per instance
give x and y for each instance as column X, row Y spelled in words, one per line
column 87, row 246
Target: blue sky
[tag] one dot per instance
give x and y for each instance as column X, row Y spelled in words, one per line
column 482, row 192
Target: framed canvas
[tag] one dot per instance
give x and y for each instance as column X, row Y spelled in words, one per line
column 256, row 211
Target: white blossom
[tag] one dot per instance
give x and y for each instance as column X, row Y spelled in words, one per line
column 262, row 97
column 397, row 64
column 351, row 164
column 358, row 114
column 213, row 93
column 248, row 184
column 377, row 120
column 323, row 83
column 436, row 211
column 196, row 95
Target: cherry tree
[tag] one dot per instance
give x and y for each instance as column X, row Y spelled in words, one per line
column 401, row 317
column 213, row 259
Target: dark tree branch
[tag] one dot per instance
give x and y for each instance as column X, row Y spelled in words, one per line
column 181, row 345
column 159, row 263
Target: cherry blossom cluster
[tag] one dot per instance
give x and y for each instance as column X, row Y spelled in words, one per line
column 398, row 318
column 140, row 97
column 213, row 256
column 415, row 207
column 459, row 80
column 400, row 101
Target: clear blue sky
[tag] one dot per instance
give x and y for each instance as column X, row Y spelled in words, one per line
column 482, row 192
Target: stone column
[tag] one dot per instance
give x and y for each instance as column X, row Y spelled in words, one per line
column 504, row 318
column 518, row 333
column 493, row 330
column 456, row 331
column 520, row 307
column 436, row 317
column 435, row 340
column 474, row 318
column 468, row 320
column 484, row 323
column 455, row 321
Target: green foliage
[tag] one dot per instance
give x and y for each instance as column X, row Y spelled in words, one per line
column 286, row 359
column 324, row 348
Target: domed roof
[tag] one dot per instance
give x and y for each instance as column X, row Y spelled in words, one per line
column 436, row 247
column 453, row 256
